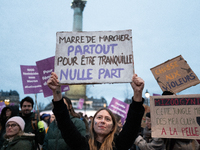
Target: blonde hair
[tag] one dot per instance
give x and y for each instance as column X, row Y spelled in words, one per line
column 108, row 142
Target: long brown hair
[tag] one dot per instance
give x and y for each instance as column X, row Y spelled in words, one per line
column 108, row 141
column 71, row 109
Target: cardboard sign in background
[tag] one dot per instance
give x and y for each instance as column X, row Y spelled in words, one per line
column 175, row 116
column 94, row 57
column 175, row 75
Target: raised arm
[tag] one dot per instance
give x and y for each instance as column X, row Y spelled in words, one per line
column 132, row 126
column 137, row 85
column 53, row 84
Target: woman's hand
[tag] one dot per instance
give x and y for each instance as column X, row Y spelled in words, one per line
column 53, row 84
column 137, row 85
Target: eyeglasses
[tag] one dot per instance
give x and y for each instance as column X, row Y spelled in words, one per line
column 11, row 125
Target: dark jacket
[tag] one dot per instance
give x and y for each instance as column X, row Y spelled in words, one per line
column 24, row 142
column 53, row 139
column 76, row 141
column 4, row 119
column 39, row 136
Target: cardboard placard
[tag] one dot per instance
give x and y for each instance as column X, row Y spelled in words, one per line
column 175, row 116
column 94, row 57
column 174, row 75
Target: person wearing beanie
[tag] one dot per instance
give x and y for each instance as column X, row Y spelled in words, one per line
column 15, row 138
column 6, row 113
column 32, row 123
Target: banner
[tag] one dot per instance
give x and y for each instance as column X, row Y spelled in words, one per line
column 94, row 57
column 120, row 108
column 45, row 67
column 175, row 75
column 175, row 116
column 80, row 103
column 30, row 79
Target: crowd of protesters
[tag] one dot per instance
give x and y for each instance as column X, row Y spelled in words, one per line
column 67, row 130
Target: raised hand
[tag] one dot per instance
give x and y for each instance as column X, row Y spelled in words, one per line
column 137, row 85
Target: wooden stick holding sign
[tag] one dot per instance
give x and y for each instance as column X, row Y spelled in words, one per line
column 94, row 57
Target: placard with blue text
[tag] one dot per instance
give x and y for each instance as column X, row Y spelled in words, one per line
column 94, row 57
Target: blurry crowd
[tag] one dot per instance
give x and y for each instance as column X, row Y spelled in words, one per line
column 26, row 130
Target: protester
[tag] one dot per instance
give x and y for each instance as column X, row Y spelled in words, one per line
column 53, row 139
column 32, row 123
column 52, row 118
column 103, row 126
column 147, row 130
column 45, row 118
column 6, row 113
column 16, row 139
column 119, row 124
column 146, row 142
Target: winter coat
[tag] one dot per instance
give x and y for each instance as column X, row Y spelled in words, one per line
column 53, row 139
column 23, row 142
column 39, row 136
column 155, row 144
column 4, row 119
column 182, row 144
column 76, row 141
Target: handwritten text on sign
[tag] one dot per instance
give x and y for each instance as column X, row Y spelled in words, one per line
column 94, row 57
column 176, row 116
column 175, row 75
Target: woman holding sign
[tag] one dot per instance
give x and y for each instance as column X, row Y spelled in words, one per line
column 103, row 127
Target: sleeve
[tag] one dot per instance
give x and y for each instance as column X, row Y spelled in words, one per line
column 132, row 126
column 45, row 144
column 80, row 125
column 156, row 143
column 69, row 132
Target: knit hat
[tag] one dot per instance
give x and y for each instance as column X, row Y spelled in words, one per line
column 18, row 120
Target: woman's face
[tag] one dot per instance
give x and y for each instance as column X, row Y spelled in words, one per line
column 148, row 122
column 12, row 129
column 103, row 123
column 52, row 118
column 8, row 113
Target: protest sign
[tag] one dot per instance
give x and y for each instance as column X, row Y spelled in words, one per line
column 120, row 108
column 175, row 75
column 2, row 105
column 80, row 103
column 94, row 57
column 45, row 67
column 30, row 79
column 175, row 116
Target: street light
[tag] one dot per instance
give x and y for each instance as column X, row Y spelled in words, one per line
column 147, row 95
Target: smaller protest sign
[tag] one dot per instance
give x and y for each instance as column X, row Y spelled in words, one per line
column 30, row 79
column 45, row 67
column 175, row 116
column 120, row 108
column 174, row 75
column 80, row 103
column 2, row 105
